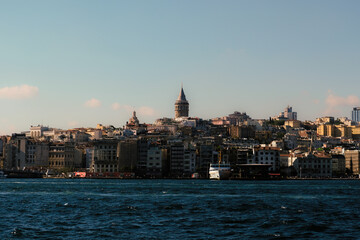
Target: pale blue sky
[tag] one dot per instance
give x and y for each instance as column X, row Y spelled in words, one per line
column 253, row 56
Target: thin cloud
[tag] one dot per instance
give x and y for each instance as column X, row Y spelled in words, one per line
column 334, row 103
column 73, row 124
column 143, row 110
column 146, row 111
column 93, row 103
column 116, row 106
column 19, row 92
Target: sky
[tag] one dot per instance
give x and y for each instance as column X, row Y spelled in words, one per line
column 67, row 64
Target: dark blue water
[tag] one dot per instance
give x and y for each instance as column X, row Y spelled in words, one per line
column 178, row 209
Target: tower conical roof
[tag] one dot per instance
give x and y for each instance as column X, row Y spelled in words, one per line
column 182, row 97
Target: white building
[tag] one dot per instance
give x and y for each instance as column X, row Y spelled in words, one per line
column 37, row 131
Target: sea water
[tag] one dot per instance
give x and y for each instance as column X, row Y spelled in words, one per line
column 178, row 209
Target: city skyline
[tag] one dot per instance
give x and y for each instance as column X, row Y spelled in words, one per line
column 75, row 64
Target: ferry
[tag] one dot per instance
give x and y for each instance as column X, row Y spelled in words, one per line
column 219, row 171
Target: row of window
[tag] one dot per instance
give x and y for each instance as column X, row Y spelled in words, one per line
column 60, row 163
column 61, row 155
column 314, row 166
column 106, row 147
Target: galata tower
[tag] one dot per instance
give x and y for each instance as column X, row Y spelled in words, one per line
column 181, row 105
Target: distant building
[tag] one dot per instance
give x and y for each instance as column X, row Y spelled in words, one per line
column 332, row 130
column 355, row 132
column 288, row 114
column 133, row 121
column 37, row 131
column 355, row 114
column 325, row 120
column 181, row 106
column 235, row 118
column 242, row 131
column 292, row 123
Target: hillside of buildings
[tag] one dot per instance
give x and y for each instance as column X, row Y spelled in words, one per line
column 182, row 147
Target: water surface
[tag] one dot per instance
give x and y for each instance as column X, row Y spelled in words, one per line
column 178, row 209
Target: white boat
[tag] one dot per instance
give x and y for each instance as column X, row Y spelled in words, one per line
column 219, row 171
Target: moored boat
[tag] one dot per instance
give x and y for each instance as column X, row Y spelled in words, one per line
column 2, row 174
column 219, row 171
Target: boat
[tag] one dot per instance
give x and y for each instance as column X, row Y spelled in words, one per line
column 219, row 171
column 195, row 175
column 2, row 174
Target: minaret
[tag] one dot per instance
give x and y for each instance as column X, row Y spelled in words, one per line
column 181, row 105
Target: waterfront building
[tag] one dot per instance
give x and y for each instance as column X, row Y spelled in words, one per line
column 266, row 155
column 142, row 161
column 338, row 165
column 103, row 156
column 205, row 153
column 309, row 165
column 127, row 152
column 64, row 156
column 355, row 114
column 352, row 162
column 2, row 148
column 21, row 153
column 243, row 154
column 189, row 161
column 155, row 161
column 177, row 150
column 36, row 154
column 89, row 158
column 181, row 106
